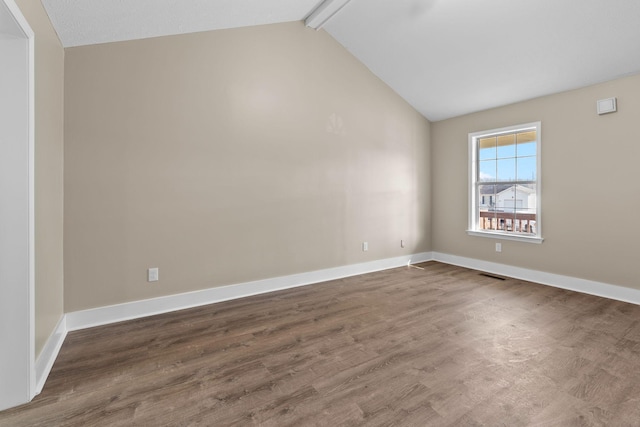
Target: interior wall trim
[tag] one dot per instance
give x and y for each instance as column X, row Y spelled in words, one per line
column 605, row 290
column 138, row 309
column 49, row 353
column 149, row 307
column 17, row 210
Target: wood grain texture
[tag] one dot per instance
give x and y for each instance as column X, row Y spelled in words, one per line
column 439, row 346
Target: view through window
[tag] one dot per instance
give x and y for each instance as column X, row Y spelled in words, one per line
column 505, row 182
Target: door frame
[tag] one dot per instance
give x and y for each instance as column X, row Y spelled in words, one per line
column 17, row 238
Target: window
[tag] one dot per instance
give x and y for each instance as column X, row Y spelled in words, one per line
column 504, row 183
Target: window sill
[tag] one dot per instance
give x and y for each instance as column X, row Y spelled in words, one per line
column 505, row 236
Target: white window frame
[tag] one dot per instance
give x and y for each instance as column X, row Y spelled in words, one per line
column 473, row 228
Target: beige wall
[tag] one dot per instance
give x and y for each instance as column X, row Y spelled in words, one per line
column 244, row 154
column 590, row 189
column 230, row 156
column 49, row 70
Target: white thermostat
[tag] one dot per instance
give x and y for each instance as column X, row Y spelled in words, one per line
column 607, row 106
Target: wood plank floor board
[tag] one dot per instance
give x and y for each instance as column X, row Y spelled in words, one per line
column 431, row 346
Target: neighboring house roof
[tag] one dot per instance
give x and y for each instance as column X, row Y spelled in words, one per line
column 502, row 188
column 494, row 189
column 518, row 189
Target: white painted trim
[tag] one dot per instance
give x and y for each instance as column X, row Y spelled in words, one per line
column 32, row 201
column 19, row 290
column 324, row 12
column 49, row 353
column 605, row 290
column 472, row 228
column 137, row 309
column 505, row 236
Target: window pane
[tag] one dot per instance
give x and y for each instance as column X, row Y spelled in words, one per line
column 527, row 136
column 486, row 218
column 506, row 146
column 526, row 214
column 505, row 220
column 486, row 197
column 527, row 144
column 506, row 163
column 505, row 198
column 507, row 170
column 487, row 170
column 487, row 148
column 526, row 168
column 527, row 193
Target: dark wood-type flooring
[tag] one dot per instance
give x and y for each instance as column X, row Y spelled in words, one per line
column 436, row 346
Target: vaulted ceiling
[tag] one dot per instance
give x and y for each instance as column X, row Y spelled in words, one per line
column 445, row 57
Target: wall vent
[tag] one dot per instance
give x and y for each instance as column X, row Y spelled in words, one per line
column 492, row 276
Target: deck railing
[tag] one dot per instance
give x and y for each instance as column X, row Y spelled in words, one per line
column 508, row 221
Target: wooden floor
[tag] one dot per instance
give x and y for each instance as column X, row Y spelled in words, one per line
column 435, row 346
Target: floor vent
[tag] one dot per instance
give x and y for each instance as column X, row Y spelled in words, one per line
column 492, row 276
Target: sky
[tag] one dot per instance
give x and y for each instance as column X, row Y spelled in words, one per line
column 513, row 162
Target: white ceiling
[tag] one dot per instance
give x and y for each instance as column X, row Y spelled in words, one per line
column 445, row 57
column 452, row 57
column 84, row 22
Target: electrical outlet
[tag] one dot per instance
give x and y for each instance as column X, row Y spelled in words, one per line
column 402, row 243
column 365, row 246
column 498, row 247
column 153, row 274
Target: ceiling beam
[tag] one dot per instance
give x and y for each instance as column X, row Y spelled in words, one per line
column 325, row 11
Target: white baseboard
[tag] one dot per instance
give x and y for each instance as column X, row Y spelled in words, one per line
column 49, row 352
column 137, row 309
column 619, row 293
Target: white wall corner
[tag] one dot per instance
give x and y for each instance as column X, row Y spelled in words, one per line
column 49, row 353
